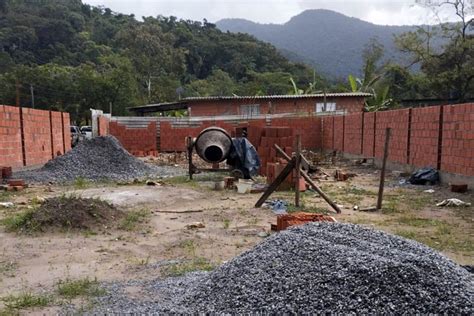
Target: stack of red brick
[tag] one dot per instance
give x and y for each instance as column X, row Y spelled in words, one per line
column 263, row 139
column 12, row 184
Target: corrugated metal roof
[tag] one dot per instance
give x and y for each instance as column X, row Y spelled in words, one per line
column 286, row 96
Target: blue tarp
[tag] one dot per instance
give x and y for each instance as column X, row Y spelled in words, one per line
column 244, row 157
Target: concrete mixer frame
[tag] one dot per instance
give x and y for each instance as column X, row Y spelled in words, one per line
column 192, row 169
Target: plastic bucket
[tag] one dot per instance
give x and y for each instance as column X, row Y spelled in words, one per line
column 243, row 186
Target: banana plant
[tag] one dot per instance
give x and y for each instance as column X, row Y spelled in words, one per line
column 309, row 90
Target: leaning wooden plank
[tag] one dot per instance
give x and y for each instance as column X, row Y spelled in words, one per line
column 274, row 185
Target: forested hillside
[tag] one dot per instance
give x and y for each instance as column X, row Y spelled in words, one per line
column 330, row 41
column 72, row 56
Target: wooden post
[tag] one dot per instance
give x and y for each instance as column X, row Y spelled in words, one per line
column 189, row 146
column 384, row 164
column 297, row 166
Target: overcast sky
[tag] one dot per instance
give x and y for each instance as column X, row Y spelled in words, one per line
column 391, row 12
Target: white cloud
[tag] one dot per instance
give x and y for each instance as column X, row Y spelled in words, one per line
column 391, row 12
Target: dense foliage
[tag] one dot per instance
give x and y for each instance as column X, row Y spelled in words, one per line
column 73, row 56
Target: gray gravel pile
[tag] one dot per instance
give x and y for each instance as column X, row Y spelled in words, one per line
column 100, row 158
column 316, row 268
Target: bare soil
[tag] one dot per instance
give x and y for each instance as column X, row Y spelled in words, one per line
column 231, row 226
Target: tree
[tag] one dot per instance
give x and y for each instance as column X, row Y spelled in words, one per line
column 449, row 68
column 151, row 52
column 371, row 82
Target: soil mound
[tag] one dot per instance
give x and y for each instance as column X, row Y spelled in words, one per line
column 70, row 213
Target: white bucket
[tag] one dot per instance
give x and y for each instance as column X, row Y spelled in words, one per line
column 243, row 186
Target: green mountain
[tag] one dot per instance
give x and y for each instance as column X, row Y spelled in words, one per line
column 330, row 41
column 74, row 56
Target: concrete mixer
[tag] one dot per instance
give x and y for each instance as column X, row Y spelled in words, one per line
column 214, row 145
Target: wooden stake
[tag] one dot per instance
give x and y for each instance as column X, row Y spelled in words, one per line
column 384, row 164
column 189, row 145
column 298, row 167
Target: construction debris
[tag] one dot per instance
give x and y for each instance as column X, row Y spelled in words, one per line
column 453, row 202
column 300, row 218
column 318, row 268
column 195, row 225
column 100, row 158
column 459, row 188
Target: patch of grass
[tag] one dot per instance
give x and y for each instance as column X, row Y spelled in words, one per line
column 189, row 246
column 391, row 205
column 410, row 234
column 25, row 300
column 358, row 191
column 417, row 221
column 7, row 268
column 81, row 183
column 443, row 238
column 226, row 223
column 21, row 221
column 179, row 269
column 5, row 196
column 143, row 262
column 134, row 219
column 80, row 287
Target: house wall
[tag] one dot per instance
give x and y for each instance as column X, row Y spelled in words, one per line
column 276, row 106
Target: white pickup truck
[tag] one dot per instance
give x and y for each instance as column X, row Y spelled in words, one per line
column 86, row 131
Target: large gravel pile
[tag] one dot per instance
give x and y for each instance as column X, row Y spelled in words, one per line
column 315, row 268
column 100, row 158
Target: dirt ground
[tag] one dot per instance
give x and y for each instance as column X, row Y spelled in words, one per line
column 36, row 263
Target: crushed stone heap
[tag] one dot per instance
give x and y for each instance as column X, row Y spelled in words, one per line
column 100, row 158
column 313, row 269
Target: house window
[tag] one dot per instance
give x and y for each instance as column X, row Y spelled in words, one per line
column 330, row 107
column 250, row 109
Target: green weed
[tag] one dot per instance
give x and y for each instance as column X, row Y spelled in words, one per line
column 25, row 300
column 197, row 264
column 22, row 221
column 81, row 183
column 80, row 287
column 133, row 219
column 226, row 223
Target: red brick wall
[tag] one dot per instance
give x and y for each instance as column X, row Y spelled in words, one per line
column 308, row 127
column 173, row 138
column 43, row 135
column 137, row 141
column 57, row 132
column 398, row 122
column 10, row 137
column 37, row 136
column 67, row 131
column 369, row 134
column 458, row 139
column 327, row 132
column 424, row 134
column 275, row 106
column 338, row 133
column 353, row 134
column 414, row 136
